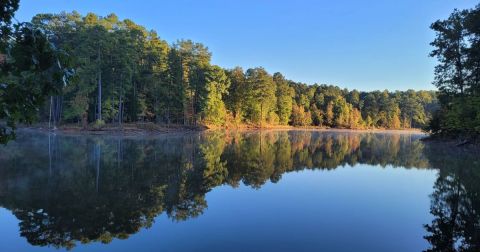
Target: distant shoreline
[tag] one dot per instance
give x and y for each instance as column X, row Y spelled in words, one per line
column 153, row 129
column 320, row 129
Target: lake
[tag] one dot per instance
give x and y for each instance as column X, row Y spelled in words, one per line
column 250, row 191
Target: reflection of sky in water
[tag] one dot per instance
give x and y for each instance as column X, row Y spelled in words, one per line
column 364, row 208
column 361, row 208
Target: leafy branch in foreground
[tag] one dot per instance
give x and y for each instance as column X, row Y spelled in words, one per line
column 31, row 69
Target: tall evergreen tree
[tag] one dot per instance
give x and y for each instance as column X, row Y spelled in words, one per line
column 284, row 98
column 216, row 87
column 261, row 91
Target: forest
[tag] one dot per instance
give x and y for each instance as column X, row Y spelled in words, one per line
column 90, row 71
column 457, row 76
column 125, row 73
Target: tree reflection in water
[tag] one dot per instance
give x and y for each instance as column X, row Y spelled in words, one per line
column 455, row 202
column 67, row 190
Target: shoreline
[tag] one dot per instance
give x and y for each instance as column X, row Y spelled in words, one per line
column 455, row 141
column 153, row 129
column 321, row 129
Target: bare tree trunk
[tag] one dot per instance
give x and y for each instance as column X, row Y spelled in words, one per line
column 54, row 112
column 120, row 100
column 84, row 120
column 99, row 95
column 99, row 116
column 459, row 67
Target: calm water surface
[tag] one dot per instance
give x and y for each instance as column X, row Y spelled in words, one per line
column 269, row 191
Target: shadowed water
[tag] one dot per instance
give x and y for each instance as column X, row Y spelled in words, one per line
column 216, row 191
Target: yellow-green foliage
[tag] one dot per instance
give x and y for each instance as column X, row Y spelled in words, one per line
column 217, row 84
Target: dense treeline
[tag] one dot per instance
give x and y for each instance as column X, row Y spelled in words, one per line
column 457, row 48
column 126, row 73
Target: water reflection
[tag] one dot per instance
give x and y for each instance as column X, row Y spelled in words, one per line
column 455, row 202
column 67, row 190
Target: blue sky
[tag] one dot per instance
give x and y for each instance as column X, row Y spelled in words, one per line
column 367, row 45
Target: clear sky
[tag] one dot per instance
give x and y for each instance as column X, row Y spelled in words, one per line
column 367, row 45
